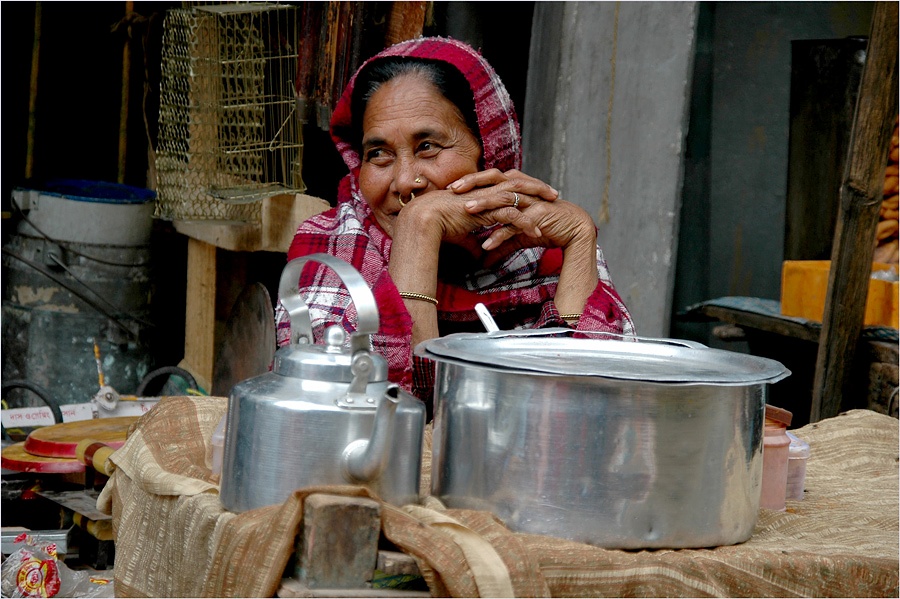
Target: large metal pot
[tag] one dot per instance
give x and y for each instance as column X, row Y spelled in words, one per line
column 608, row 442
column 325, row 415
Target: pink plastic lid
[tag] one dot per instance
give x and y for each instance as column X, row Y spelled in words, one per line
column 778, row 415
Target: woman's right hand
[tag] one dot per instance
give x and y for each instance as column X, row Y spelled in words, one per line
column 560, row 223
column 443, row 214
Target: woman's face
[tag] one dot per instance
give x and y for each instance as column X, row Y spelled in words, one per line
column 410, row 131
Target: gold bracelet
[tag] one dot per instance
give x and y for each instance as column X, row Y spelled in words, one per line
column 418, row 296
column 570, row 316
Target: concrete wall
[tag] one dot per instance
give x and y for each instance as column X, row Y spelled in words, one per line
column 605, row 121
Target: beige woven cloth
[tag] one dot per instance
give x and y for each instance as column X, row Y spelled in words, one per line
column 173, row 539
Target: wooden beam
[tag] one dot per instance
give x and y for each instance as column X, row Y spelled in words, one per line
column 200, row 311
column 860, row 199
column 337, row 547
column 281, row 215
column 32, row 92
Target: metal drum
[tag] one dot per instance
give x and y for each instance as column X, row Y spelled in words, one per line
column 78, row 270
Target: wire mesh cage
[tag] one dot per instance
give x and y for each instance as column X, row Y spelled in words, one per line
column 230, row 133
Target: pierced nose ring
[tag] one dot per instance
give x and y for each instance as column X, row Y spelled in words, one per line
column 403, row 204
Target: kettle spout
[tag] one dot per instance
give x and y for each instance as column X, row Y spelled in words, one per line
column 363, row 460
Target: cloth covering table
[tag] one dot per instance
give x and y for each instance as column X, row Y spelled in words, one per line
column 173, row 538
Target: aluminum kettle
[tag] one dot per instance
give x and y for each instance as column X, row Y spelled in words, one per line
column 324, row 415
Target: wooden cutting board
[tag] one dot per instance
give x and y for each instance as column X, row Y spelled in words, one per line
column 60, row 440
column 17, row 459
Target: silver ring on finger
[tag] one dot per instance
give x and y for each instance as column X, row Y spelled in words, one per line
column 516, row 203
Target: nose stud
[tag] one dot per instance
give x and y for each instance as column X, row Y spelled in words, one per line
column 418, row 180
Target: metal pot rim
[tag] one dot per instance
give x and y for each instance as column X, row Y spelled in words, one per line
column 556, row 353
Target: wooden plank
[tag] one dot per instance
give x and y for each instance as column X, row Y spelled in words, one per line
column 293, row 588
column 338, row 545
column 280, row 215
column 405, row 21
column 200, row 311
column 397, row 563
column 870, row 350
column 806, row 332
column 860, row 200
column 237, row 236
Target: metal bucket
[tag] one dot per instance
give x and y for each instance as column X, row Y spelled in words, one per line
column 614, row 462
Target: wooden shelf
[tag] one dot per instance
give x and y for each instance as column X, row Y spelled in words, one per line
column 281, row 215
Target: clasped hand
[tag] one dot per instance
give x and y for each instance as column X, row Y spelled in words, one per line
column 489, row 198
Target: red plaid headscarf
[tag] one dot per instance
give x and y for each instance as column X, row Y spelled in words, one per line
column 525, row 279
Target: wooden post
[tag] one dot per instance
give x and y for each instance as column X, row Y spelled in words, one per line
column 200, row 311
column 338, row 544
column 126, row 96
column 860, row 199
column 32, row 93
column 405, row 21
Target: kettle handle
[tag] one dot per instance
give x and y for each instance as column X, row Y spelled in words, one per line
column 301, row 326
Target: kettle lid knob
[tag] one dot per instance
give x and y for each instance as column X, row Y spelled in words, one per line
column 335, row 336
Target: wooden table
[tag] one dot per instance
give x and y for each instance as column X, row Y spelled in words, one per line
column 174, row 538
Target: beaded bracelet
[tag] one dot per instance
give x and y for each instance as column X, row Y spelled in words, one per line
column 418, row 296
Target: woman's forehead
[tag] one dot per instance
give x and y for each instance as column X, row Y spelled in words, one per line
column 413, row 102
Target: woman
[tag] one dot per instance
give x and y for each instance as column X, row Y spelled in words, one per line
column 437, row 217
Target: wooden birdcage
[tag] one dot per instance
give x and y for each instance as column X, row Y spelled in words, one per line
column 230, row 134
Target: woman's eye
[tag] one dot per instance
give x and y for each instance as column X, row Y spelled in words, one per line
column 377, row 156
column 428, row 148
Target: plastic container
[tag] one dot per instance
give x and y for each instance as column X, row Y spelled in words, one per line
column 776, row 452
column 218, row 446
column 94, row 212
column 798, row 453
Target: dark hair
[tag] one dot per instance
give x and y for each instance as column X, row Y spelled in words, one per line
column 446, row 78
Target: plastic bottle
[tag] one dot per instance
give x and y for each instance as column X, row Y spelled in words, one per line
column 218, row 446
column 776, row 451
column 796, row 478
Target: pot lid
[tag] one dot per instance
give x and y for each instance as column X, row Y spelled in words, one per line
column 555, row 352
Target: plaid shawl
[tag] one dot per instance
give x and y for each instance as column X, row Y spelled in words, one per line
column 523, row 284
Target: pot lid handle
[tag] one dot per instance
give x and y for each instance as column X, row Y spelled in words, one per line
column 301, row 326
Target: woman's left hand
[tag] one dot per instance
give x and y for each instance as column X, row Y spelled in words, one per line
column 560, row 222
